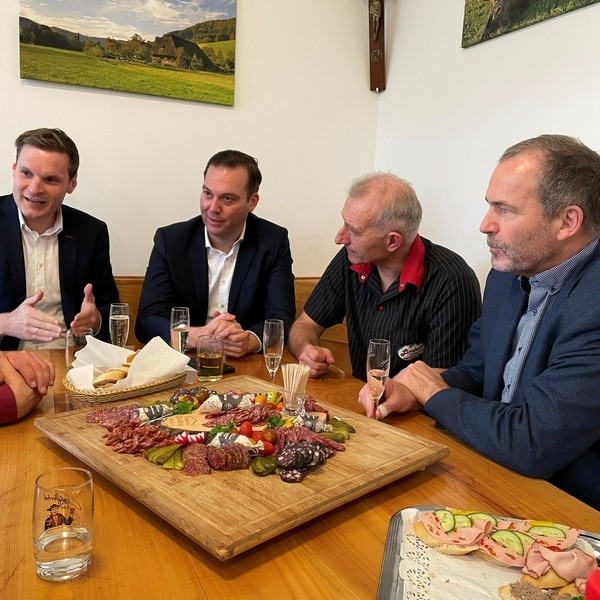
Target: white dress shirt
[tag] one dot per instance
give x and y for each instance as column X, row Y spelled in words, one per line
column 221, row 266
column 220, row 273
column 40, row 253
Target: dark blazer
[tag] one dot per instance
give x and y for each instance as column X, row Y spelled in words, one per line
column 84, row 257
column 262, row 286
column 551, row 428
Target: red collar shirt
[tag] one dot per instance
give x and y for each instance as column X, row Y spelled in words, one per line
column 426, row 313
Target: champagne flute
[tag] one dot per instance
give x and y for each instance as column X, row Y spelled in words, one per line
column 378, row 369
column 273, row 345
column 180, row 327
column 119, row 323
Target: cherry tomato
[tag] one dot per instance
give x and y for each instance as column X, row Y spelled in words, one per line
column 246, row 428
column 258, row 436
column 260, row 398
column 270, row 436
column 235, row 430
column 268, row 448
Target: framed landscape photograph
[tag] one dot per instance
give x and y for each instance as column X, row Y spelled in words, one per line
column 169, row 48
column 487, row 19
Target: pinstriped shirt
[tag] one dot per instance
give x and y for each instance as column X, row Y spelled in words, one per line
column 426, row 313
column 542, row 290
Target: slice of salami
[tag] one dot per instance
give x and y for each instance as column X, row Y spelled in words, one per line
column 215, row 458
column 194, row 460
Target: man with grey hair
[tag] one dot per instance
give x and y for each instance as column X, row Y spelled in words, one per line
column 388, row 282
column 525, row 393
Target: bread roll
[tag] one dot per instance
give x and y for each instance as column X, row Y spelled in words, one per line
column 122, row 369
column 421, row 532
column 570, row 589
column 549, row 580
column 110, row 377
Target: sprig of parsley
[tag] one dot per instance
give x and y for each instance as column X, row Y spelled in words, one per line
column 183, row 408
column 276, row 421
column 219, row 429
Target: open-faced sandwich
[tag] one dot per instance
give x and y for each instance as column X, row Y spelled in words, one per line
column 543, row 551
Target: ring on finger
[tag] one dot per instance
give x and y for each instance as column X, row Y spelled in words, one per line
column 382, row 408
column 35, row 331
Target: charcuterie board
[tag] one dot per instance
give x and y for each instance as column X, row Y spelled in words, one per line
column 196, row 421
column 377, row 454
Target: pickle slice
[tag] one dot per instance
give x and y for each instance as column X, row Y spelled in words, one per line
column 508, row 539
column 526, row 539
column 462, row 521
column 446, row 519
column 482, row 515
column 547, row 531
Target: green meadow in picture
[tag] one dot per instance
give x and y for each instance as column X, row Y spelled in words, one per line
column 168, row 48
column 487, row 19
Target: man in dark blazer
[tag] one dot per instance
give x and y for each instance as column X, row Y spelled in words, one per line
column 526, row 393
column 55, row 269
column 231, row 269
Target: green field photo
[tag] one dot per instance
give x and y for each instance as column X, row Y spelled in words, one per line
column 133, row 51
column 487, row 19
column 75, row 68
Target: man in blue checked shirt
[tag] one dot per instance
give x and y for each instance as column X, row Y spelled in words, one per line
column 526, row 392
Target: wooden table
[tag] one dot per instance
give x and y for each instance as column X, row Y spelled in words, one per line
column 337, row 555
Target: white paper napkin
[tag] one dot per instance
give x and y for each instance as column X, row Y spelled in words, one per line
column 154, row 362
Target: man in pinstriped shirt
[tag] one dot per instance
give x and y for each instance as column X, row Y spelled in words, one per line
column 526, row 392
column 388, row 282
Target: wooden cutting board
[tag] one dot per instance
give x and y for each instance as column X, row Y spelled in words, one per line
column 220, row 511
column 197, row 421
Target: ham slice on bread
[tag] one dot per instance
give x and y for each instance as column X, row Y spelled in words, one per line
column 556, row 568
column 507, row 557
column 529, row 527
column 542, row 550
column 460, row 540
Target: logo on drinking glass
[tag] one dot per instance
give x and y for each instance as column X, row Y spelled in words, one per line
column 58, row 510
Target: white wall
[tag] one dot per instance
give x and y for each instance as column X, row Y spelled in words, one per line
column 449, row 113
column 302, row 107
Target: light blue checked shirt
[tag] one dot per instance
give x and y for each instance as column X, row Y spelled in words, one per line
column 542, row 289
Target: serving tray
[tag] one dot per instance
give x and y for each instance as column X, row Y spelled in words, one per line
column 219, row 511
column 391, row 585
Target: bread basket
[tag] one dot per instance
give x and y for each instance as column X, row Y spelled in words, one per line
column 83, row 398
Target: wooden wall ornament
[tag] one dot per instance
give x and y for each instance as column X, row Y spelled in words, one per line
column 376, row 45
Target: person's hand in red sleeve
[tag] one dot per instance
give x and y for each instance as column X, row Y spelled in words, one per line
column 26, row 398
column 37, row 372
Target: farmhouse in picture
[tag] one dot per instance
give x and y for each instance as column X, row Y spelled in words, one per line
column 169, row 47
